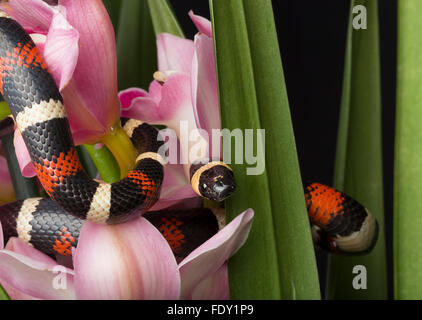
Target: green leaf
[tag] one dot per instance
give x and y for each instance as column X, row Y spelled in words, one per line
column 136, row 45
column 163, row 18
column 278, row 259
column 358, row 169
column 408, row 154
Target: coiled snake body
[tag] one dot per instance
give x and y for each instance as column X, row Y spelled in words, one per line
column 340, row 223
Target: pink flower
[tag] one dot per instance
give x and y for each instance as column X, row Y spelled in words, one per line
column 185, row 88
column 126, row 261
column 26, row 273
column 77, row 40
column 131, row 260
column 70, row 36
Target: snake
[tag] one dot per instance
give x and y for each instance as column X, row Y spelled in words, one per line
column 338, row 222
column 38, row 109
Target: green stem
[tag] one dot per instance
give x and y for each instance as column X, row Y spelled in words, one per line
column 121, row 147
column 106, row 164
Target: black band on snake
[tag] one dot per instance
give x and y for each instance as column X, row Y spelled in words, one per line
column 340, row 224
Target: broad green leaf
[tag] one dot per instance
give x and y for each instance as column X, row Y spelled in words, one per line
column 163, row 18
column 291, row 223
column 408, row 154
column 278, row 259
column 136, row 45
column 359, row 155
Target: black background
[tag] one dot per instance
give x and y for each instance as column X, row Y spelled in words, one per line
column 312, row 35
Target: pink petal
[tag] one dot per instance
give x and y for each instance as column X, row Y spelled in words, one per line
column 125, row 261
column 155, row 91
column 160, row 205
column 214, row 287
column 174, row 53
column 203, row 25
column 16, row 294
column 6, row 188
column 212, row 254
column 32, row 274
column 175, row 185
column 204, row 85
column 35, row 15
column 22, row 154
column 126, row 96
column 187, row 203
column 143, row 108
column 137, row 104
column 61, row 50
column 19, row 246
column 175, row 103
column 91, row 96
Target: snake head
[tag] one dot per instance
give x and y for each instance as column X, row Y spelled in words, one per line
column 214, row 181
